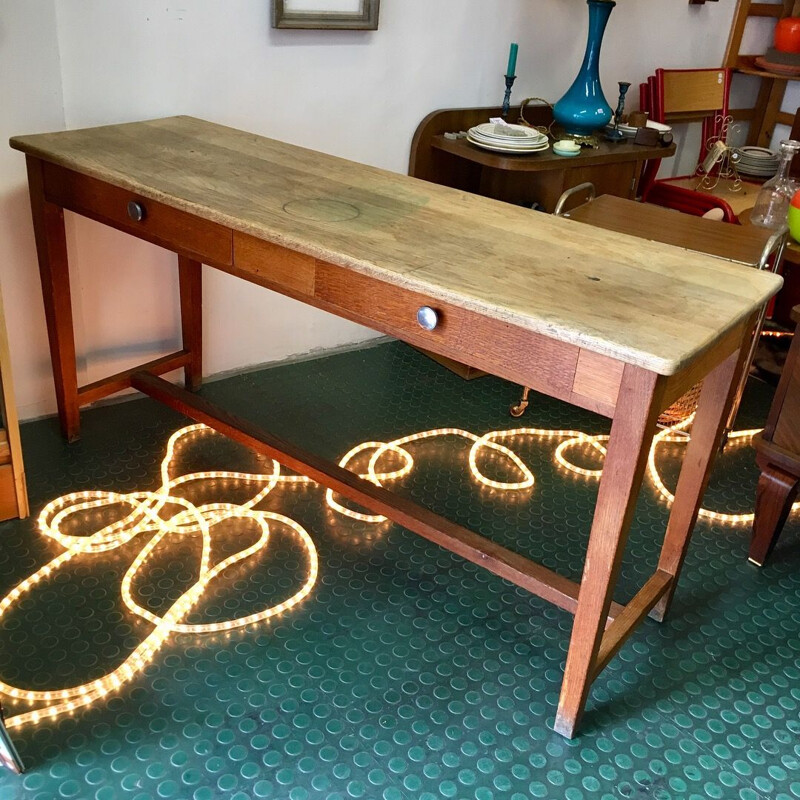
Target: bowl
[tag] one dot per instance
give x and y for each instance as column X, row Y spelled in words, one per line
column 566, row 147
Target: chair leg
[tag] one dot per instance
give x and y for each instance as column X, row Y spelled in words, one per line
column 774, row 497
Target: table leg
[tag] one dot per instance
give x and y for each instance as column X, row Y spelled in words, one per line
column 638, row 407
column 774, row 497
column 51, row 248
column 191, row 294
column 716, row 396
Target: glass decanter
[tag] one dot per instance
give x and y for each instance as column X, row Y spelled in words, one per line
column 772, row 204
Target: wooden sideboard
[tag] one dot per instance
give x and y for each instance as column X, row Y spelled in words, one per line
column 778, row 456
column 613, row 168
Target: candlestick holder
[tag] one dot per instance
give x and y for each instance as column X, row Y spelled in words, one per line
column 507, row 99
column 615, row 134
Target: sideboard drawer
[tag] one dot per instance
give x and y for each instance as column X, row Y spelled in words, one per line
column 146, row 219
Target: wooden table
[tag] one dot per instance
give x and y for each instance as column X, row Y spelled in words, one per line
column 607, row 322
column 614, row 168
column 778, row 456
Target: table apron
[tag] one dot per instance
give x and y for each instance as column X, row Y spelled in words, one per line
column 565, row 371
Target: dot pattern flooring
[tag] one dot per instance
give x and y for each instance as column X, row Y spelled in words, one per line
column 407, row 673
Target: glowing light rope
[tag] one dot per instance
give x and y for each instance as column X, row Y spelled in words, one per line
column 146, row 515
column 163, row 513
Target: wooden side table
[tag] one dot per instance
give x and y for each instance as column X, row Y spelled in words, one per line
column 778, row 456
column 613, row 168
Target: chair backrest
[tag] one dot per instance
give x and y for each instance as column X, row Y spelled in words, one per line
column 693, row 92
column 686, row 95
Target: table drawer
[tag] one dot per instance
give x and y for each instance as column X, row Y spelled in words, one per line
column 146, row 219
column 389, row 308
column 483, row 342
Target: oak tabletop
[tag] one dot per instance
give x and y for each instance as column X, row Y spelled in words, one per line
column 642, row 302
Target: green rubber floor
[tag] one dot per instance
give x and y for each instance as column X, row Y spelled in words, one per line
column 406, row 673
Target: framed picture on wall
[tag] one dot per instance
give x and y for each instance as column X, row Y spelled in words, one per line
column 326, row 14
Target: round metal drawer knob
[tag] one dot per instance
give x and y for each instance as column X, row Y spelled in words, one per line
column 136, row 211
column 427, row 318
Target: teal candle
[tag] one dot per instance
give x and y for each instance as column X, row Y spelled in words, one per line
column 512, row 60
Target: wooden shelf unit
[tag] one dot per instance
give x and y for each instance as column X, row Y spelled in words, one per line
column 766, row 113
column 13, row 492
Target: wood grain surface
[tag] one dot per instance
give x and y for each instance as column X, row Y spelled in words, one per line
column 643, row 303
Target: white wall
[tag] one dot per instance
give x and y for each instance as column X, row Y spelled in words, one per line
column 356, row 94
column 30, row 99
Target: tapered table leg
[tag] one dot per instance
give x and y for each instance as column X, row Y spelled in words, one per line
column 191, row 294
column 716, row 397
column 774, row 497
column 51, row 248
column 638, row 407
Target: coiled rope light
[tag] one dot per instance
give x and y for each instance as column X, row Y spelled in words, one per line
column 163, row 513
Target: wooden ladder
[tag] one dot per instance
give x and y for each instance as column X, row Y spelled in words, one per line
column 767, row 111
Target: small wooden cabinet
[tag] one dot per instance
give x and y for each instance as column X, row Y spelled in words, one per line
column 778, row 455
column 13, row 493
column 613, row 168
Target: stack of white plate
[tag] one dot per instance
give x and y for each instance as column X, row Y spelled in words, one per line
column 757, row 161
column 507, row 138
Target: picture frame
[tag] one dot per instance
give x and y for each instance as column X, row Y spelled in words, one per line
column 325, row 15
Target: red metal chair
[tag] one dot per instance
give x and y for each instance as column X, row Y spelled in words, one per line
column 686, row 95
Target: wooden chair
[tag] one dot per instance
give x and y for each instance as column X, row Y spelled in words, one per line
column 688, row 95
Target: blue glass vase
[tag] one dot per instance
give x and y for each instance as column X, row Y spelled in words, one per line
column 583, row 109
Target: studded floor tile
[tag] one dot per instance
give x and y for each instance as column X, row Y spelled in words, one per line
column 407, row 673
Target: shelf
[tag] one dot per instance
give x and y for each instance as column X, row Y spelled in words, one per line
column 606, row 153
column 746, row 66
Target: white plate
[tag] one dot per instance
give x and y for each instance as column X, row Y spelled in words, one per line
column 506, row 145
column 502, row 149
column 511, row 142
column 498, row 140
column 490, row 131
column 750, row 151
column 759, row 162
column 757, row 170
